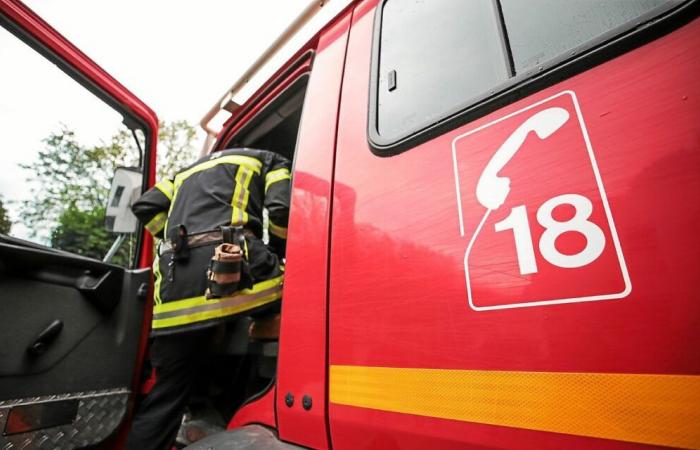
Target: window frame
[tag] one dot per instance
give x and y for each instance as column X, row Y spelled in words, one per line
column 131, row 120
column 647, row 27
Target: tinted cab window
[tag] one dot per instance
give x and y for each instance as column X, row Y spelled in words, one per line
column 434, row 59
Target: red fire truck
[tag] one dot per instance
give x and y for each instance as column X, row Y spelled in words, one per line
column 493, row 240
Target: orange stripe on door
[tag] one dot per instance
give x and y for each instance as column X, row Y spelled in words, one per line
column 651, row 409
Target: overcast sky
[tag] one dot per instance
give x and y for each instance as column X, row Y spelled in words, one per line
column 178, row 57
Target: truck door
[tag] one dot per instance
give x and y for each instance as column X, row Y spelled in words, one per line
column 73, row 307
column 514, row 246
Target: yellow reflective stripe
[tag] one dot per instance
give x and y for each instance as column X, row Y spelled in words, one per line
column 186, row 319
column 198, row 309
column 278, row 231
column 167, row 188
column 651, row 409
column 248, row 161
column 201, row 300
column 240, row 160
column 275, row 176
column 157, row 223
column 241, row 194
column 158, row 280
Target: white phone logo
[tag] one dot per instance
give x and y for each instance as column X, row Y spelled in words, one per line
column 550, row 248
column 492, row 190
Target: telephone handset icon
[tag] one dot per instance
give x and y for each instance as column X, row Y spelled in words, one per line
column 492, row 190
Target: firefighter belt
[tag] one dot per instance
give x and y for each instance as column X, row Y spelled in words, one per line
column 205, row 280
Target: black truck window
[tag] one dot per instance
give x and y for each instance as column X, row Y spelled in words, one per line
column 540, row 30
column 434, row 55
column 436, row 63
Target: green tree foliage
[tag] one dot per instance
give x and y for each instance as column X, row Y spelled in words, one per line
column 176, row 148
column 71, row 184
column 82, row 232
column 69, row 176
column 5, row 223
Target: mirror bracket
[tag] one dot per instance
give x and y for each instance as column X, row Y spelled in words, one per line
column 126, row 187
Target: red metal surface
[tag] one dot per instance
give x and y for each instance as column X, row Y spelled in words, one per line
column 67, row 52
column 260, row 411
column 302, row 364
column 148, row 384
column 398, row 291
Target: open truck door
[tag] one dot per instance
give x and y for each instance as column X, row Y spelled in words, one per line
column 73, row 328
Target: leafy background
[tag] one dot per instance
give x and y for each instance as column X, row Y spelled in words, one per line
column 71, row 182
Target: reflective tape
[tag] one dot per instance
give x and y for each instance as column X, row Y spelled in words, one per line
column 157, row 223
column 158, row 279
column 650, row 409
column 278, row 231
column 242, row 161
column 275, row 176
column 201, row 300
column 248, row 161
column 241, row 194
column 167, row 188
column 197, row 309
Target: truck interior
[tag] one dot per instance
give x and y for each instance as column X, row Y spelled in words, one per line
column 276, row 127
column 244, row 362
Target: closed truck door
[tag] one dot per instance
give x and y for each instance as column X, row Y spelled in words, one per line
column 518, row 267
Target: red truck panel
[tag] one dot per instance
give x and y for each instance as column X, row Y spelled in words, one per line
column 302, row 364
column 436, row 339
column 260, row 411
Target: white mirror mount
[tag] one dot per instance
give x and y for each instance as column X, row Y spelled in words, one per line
column 126, row 187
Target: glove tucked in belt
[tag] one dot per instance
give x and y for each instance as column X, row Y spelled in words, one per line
column 224, row 272
column 228, row 269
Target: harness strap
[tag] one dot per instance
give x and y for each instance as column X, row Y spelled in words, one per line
column 201, row 239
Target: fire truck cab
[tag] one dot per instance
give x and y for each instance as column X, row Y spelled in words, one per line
column 492, row 240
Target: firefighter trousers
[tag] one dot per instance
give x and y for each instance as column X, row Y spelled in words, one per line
column 177, row 360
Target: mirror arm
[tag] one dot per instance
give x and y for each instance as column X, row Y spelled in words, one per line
column 114, row 248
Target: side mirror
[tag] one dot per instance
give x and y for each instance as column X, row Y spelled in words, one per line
column 126, row 187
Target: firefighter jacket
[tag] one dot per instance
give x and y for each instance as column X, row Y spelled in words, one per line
column 226, row 188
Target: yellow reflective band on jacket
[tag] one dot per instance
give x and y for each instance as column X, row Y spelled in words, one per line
column 198, row 309
column 158, row 280
column 244, row 161
column 278, row 231
column 156, row 225
column 275, row 176
column 167, row 188
column 241, row 194
column 240, row 160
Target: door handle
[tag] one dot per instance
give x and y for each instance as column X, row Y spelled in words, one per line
column 42, row 341
column 103, row 290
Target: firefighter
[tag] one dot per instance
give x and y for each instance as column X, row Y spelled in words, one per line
column 211, row 265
